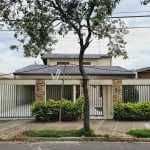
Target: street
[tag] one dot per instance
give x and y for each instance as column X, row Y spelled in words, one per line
column 74, row 146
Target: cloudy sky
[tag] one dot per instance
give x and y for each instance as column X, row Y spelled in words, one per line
column 138, row 42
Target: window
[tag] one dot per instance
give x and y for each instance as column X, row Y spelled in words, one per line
column 86, row 63
column 62, row 63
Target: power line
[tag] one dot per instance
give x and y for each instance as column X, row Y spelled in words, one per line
column 130, row 12
column 139, row 16
column 134, row 27
column 111, row 17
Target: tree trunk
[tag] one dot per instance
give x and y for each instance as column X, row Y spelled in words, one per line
column 85, row 91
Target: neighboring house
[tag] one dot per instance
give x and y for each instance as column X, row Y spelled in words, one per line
column 6, row 76
column 143, row 73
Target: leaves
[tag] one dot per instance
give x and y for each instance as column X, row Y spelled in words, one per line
column 36, row 23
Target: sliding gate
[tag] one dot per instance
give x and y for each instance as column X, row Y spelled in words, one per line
column 16, row 100
column 96, row 100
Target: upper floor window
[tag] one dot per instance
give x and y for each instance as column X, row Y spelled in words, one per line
column 86, row 63
column 62, row 63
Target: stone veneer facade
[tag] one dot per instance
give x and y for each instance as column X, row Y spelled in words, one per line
column 40, row 90
column 117, row 90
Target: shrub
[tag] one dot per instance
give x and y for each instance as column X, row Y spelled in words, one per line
column 132, row 111
column 40, row 110
column 50, row 110
column 130, row 94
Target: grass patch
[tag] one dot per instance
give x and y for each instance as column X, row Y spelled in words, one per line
column 141, row 133
column 58, row 133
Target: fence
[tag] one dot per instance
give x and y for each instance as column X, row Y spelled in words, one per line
column 16, row 98
column 96, row 100
column 136, row 91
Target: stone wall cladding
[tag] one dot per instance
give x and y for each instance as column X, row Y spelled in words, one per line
column 40, row 90
column 117, row 90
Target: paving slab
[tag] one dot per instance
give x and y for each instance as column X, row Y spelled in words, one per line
column 101, row 127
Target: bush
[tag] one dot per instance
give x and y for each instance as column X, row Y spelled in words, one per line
column 40, row 110
column 132, row 111
column 130, row 94
column 50, row 110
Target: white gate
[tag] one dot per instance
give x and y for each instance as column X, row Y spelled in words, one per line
column 96, row 100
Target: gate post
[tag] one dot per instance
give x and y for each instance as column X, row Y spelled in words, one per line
column 117, row 90
column 40, row 90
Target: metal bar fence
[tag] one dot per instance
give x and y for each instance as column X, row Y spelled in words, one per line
column 96, row 100
column 53, row 92
column 136, row 93
column 16, row 100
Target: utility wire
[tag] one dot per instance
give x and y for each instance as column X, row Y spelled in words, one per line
column 136, row 16
column 134, row 27
column 130, row 12
column 111, row 17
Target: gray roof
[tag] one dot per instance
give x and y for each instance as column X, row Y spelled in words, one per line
column 72, row 70
column 143, row 69
column 74, row 56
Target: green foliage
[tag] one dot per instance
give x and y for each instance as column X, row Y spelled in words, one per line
column 37, row 22
column 132, row 111
column 40, row 110
column 57, row 133
column 48, row 111
column 145, row 2
column 141, row 133
column 130, row 94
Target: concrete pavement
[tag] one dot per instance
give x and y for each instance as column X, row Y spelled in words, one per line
column 10, row 128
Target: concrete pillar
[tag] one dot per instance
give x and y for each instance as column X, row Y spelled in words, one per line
column 40, row 90
column 74, row 93
column 117, row 90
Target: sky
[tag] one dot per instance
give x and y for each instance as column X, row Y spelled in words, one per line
column 137, row 47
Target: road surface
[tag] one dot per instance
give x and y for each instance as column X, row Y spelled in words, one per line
column 74, row 146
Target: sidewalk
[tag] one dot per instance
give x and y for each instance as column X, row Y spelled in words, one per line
column 9, row 129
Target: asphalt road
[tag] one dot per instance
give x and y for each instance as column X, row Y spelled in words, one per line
column 74, row 146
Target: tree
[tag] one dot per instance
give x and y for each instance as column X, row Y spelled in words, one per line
column 36, row 21
column 145, row 2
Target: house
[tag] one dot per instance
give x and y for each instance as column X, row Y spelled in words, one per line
column 143, row 73
column 97, row 66
column 6, row 76
column 103, row 80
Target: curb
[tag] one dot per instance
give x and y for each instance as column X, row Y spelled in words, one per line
column 77, row 139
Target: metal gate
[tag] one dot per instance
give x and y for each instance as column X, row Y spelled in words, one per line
column 96, row 100
column 16, row 100
column 54, row 92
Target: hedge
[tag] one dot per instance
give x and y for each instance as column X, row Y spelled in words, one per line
column 132, row 111
column 49, row 110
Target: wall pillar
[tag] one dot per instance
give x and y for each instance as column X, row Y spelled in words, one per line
column 40, row 90
column 74, row 93
column 117, row 90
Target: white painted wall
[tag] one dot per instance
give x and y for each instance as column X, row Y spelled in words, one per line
column 94, row 62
